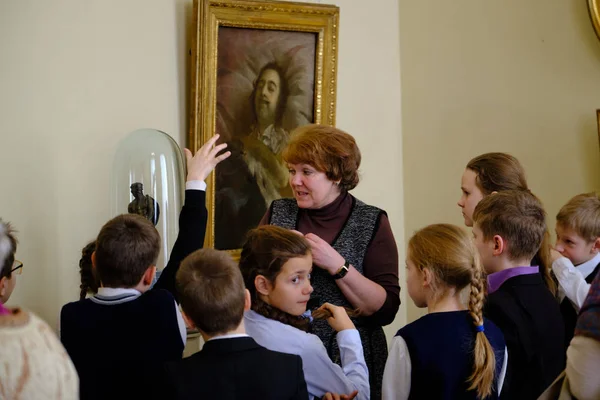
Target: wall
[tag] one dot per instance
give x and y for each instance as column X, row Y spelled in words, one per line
column 516, row 76
column 76, row 77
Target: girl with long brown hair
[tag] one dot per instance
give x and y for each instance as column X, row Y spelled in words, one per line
column 453, row 352
column 276, row 264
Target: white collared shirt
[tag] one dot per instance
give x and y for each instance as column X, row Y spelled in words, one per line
column 228, row 336
column 571, row 279
column 321, row 374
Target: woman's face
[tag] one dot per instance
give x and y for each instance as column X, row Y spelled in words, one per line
column 312, row 189
column 471, row 195
column 291, row 290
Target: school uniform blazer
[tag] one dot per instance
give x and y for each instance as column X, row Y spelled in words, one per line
column 236, row 369
column 529, row 317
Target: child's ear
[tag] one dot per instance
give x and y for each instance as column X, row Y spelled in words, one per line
column 187, row 320
column 499, row 245
column 94, row 269
column 596, row 246
column 427, row 277
column 149, row 275
column 247, row 300
column 262, row 284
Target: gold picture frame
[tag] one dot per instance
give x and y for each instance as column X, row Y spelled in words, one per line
column 594, row 11
column 232, row 45
column 598, row 124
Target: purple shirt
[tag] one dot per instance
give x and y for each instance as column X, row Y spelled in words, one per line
column 496, row 279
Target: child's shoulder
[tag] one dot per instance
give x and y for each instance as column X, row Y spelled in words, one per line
column 259, row 326
column 430, row 324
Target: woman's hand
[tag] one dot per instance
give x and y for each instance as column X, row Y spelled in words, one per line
column 340, row 320
column 324, row 256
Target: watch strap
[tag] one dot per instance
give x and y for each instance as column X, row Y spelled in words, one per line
column 343, row 271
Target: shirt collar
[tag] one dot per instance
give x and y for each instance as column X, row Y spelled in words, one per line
column 589, row 266
column 112, row 292
column 496, row 279
column 228, row 336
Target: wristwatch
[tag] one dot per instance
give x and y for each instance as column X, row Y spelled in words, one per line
column 342, row 271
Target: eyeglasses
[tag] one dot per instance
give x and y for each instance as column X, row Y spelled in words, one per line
column 17, row 267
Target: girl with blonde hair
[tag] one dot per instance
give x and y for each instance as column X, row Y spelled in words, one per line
column 453, row 352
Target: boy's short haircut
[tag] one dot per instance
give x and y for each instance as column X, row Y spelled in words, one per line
column 515, row 215
column 582, row 215
column 126, row 247
column 211, row 291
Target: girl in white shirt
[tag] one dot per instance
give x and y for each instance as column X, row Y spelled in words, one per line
column 276, row 264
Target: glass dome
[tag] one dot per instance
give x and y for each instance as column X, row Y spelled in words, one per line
column 148, row 179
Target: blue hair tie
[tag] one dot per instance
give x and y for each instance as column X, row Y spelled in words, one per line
column 479, row 328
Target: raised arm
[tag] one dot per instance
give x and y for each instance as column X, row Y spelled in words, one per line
column 193, row 216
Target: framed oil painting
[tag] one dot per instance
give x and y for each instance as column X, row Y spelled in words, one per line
column 260, row 69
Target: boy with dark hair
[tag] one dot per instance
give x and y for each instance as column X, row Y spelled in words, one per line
column 508, row 230
column 231, row 365
column 120, row 338
column 576, row 256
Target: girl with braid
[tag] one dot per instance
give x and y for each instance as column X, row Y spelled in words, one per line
column 453, row 352
column 276, row 264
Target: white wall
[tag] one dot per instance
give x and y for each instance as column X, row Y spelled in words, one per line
column 77, row 76
column 516, row 76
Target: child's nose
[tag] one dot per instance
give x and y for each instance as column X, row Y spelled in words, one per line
column 559, row 247
column 308, row 289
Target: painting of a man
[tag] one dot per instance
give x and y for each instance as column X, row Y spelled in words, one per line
column 267, row 137
column 265, row 89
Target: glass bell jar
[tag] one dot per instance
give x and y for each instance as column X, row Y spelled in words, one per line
column 148, row 179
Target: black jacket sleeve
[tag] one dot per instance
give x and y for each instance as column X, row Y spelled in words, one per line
column 192, row 229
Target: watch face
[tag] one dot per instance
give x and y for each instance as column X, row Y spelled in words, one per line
column 342, row 272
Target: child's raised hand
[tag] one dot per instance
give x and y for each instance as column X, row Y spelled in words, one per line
column 205, row 160
column 340, row 320
column 336, row 396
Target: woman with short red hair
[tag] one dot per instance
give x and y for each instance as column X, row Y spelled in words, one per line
column 352, row 243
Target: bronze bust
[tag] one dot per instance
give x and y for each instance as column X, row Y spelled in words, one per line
column 143, row 205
